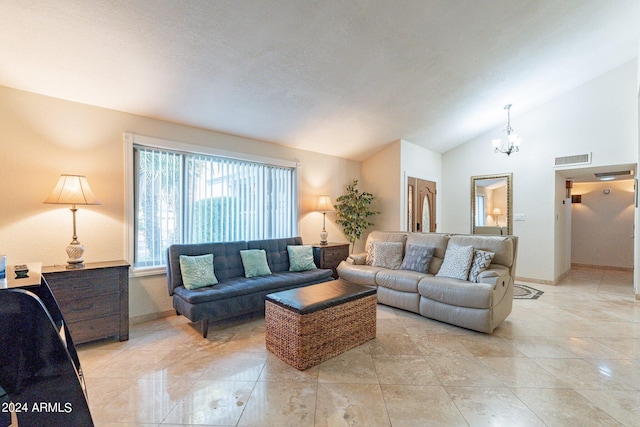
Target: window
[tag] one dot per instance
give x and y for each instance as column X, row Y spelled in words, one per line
column 190, row 197
column 481, row 220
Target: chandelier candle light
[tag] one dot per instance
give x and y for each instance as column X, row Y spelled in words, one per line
column 512, row 143
column 73, row 190
column 324, row 206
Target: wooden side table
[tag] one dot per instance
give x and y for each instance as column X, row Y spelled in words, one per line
column 330, row 255
column 94, row 300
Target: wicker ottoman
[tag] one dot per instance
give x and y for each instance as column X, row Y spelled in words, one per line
column 309, row 325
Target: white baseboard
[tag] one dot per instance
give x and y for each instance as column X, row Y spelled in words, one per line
column 601, row 267
column 530, row 280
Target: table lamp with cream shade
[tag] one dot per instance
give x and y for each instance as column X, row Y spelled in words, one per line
column 324, row 206
column 496, row 213
column 73, row 190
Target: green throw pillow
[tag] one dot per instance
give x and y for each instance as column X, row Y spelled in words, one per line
column 197, row 271
column 255, row 263
column 301, row 258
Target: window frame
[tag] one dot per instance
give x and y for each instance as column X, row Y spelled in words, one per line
column 481, row 214
column 131, row 139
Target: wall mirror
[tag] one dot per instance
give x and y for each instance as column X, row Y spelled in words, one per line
column 492, row 204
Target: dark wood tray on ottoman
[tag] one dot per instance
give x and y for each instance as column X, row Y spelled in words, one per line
column 308, row 325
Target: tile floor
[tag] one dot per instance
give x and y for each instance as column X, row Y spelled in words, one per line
column 570, row 358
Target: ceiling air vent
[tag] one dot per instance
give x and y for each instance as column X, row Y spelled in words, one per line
column 616, row 173
column 578, row 159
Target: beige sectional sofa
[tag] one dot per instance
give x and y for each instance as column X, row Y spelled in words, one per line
column 480, row 306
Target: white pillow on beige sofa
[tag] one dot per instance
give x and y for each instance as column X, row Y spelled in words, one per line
column 386, row 254
column 457, row 262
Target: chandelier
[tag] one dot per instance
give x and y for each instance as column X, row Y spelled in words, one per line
column 512, row 143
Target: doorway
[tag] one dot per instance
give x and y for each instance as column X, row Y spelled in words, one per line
column 421, row 205
column 600, row 225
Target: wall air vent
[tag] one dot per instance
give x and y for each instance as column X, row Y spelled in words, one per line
column 616, row 173
column 578, row 159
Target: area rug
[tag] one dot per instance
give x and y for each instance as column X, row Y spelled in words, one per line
column 521, row 291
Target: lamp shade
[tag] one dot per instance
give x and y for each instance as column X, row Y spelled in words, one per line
column 324, row 204
column 497, row 211
column 72, row 190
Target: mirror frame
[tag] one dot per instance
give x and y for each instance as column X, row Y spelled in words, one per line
column 509, row 178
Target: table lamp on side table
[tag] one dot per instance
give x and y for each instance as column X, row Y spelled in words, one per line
column 324, row 206
column 73, row 190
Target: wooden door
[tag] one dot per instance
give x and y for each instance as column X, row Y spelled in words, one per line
column 421, row 205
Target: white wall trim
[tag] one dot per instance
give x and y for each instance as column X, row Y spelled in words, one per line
column 128, row 202
column 203, row 149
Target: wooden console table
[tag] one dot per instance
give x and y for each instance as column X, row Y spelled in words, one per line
column 94, row 300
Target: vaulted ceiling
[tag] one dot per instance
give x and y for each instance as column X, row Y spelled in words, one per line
column 337, row 77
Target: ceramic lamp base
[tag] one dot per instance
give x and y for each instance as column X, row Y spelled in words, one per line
column 75, row 250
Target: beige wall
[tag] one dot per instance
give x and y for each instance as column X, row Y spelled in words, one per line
column 381, row 176
column 602, row 225
column 385, row 175
column 418, row 162
column 42, row 137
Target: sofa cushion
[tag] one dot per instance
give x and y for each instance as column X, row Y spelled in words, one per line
column 417, row 258
column 461, row 293
column 457, row 262
column 225, row 254
column 501, row 246
column 276, row 249
column 481, row 261
column 434, row 265
column 399, row 280
column 382, row 236
column 244, row 286
column 359, row 274
column 409, row 301
column 387, row 254
column 197, row 271
column 437, row 241
column 254, row 262
column 300, row 258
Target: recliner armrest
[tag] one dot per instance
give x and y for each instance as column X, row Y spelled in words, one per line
column 494, row 276
column 357, row 259
column 487, row 274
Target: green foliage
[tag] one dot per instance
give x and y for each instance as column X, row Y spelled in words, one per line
column 211, row 217
column 353, row 210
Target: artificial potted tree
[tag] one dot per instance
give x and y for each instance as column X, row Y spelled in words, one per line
column 353, row 210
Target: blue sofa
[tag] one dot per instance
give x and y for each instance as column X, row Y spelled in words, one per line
column 235, row 294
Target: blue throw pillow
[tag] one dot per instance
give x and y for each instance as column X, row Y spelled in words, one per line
column 301, row 258
column 255, row 263
column 417, row 258
column 197, row 271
